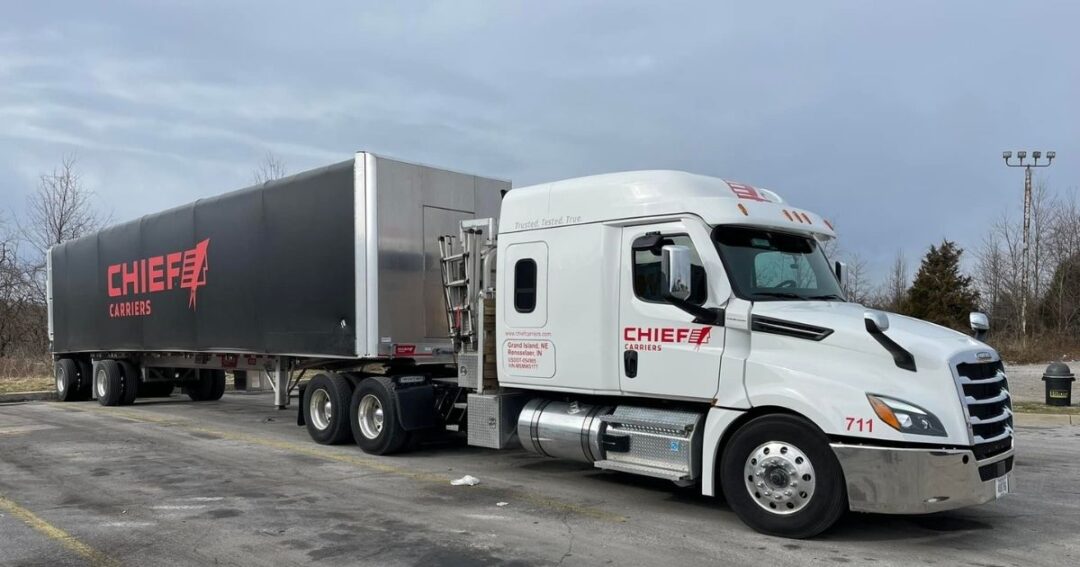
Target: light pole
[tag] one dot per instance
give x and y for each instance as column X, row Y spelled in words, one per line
column 1020, row 156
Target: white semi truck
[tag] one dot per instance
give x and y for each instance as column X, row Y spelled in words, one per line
column 656, row 323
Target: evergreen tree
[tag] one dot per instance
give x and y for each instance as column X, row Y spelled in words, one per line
column 940, row 293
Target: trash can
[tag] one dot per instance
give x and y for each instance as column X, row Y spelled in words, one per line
column 1058, row 381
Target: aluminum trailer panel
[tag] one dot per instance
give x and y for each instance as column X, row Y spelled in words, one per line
column 337, row 262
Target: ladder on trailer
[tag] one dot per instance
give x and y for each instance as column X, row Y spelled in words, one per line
column 468, row 281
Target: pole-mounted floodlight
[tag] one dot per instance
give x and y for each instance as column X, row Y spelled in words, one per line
column 1020, row 155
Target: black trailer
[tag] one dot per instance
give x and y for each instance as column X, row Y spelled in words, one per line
column 334, row 268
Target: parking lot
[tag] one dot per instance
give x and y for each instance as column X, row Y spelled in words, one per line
column 236, row 482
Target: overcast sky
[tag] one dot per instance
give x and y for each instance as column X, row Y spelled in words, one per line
column 888, row 118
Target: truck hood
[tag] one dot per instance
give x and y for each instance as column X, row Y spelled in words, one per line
column 930, row 344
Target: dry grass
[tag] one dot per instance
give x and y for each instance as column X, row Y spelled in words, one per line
column 1037, row 350
column 11, row 385
column 25, row 375
column 1035, row 407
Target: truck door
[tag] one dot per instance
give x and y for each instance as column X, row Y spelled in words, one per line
column 663, row 352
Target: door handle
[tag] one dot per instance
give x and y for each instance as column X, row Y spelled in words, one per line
column 630, row 363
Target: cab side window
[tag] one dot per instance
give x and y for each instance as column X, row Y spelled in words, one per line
column 648, row 279
column 525, row 285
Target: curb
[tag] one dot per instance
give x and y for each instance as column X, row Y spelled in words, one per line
column 27, row 397
column 1025, row 419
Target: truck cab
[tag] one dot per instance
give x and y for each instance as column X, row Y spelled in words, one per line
column 691, row 328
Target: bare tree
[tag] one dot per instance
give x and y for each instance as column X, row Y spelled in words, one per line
column 61, row 208
column 19, row 313
column 895, row 287
column 269, row 168
column 1061, row 304
column 858, row 288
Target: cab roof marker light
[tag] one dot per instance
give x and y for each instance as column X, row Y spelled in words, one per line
column 828, row 224
column 743, row 209
column 807, row 217
column 788, row 215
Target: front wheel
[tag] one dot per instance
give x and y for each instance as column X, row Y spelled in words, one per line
column 781, row 477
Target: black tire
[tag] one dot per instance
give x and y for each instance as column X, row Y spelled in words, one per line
column 130, row 372
column 156, row 389
column 390, row 437
column 86, row 378
column 826, row 503
column 337, row 391
column 68, row 387
column 209, row 387
column 108, row 382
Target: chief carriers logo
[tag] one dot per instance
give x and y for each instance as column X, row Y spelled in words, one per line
column 183, row 270
column 654, row 338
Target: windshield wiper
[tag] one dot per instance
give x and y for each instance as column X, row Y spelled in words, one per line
column 827, row 296
column 780, row 294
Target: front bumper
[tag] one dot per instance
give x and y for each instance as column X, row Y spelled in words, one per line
column 889, row 480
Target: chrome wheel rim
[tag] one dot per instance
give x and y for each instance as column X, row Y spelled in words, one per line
column 779, row 477
column 370, row 416
column 99, row 383
column 60, row 379
column 321, row 409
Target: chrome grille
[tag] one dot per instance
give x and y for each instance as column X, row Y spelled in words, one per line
column 985, row 391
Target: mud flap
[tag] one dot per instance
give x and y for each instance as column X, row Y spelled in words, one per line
column 416, row 407
column 300, row 406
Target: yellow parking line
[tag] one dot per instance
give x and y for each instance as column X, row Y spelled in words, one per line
column 95, row 557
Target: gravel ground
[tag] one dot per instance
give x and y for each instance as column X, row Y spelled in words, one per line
column 1026, row 385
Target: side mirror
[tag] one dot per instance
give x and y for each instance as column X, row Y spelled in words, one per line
column 980, row 325
column 876, row 321
column 840, row 268
column 675, row 268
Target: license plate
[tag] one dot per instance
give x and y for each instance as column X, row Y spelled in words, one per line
column 1002, row 487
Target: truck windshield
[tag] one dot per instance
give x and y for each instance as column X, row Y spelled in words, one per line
column 766, row 265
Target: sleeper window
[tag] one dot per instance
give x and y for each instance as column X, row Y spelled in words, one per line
column 525, row 285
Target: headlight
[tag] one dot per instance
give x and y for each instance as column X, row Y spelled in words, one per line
column 905, row 417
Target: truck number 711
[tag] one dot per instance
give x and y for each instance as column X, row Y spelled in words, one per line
column 860, row 424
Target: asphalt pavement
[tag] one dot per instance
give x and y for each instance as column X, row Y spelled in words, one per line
column 236, row 482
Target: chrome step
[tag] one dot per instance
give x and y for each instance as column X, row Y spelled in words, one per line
column 666, row 474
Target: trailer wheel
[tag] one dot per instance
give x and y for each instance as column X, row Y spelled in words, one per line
column 86, row 378
column 780, row 476
column 326, row 403
column 108, row 383
column 68, row 386
column 210, row 387
column 373, row 417
column 156, row 389
column 130, row 373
